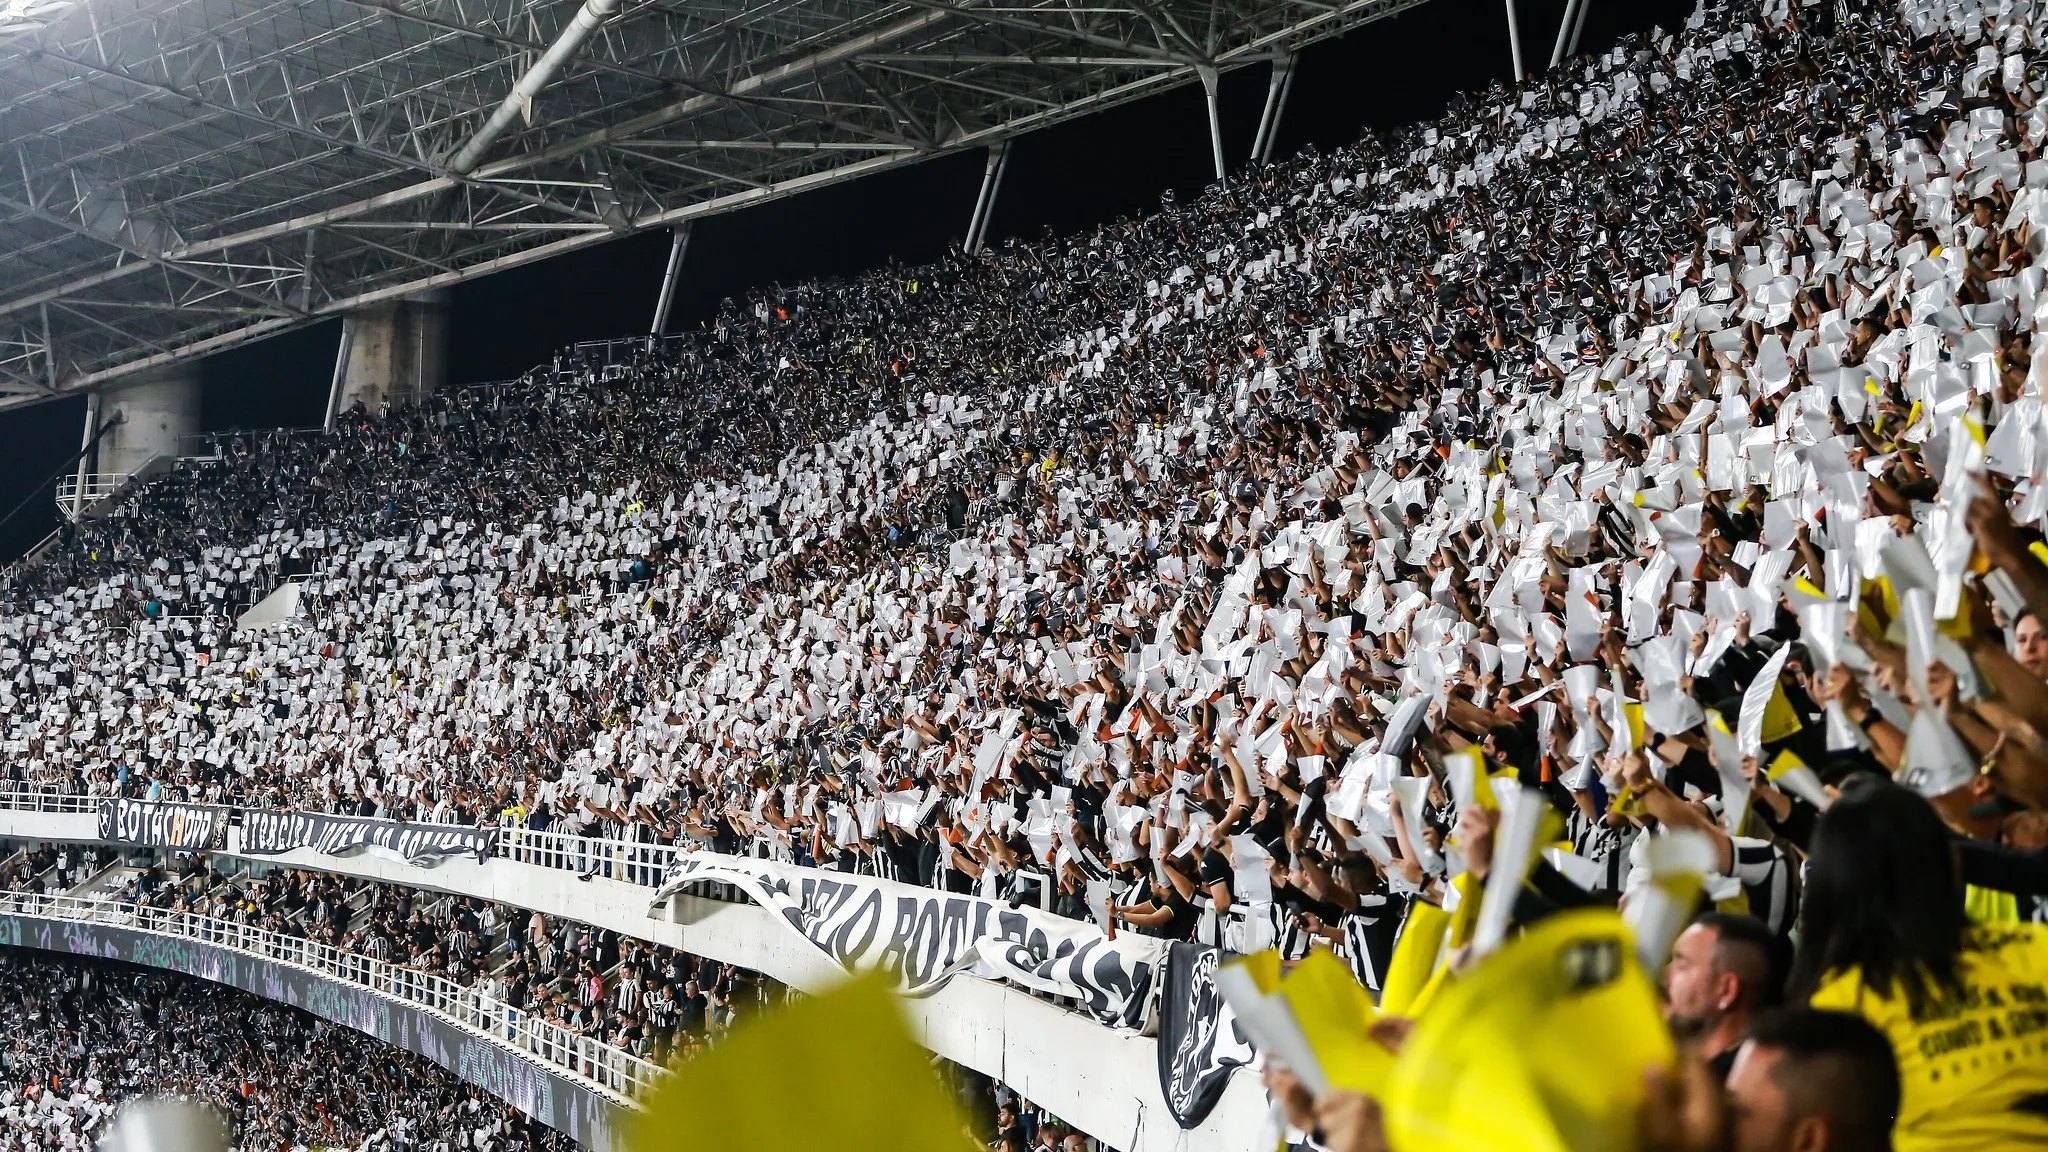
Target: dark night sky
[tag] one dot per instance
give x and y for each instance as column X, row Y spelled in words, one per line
column 1066, row 178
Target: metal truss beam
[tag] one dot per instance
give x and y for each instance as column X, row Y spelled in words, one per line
column 228, row 169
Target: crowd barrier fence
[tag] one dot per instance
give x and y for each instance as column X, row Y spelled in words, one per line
column 615, row 1070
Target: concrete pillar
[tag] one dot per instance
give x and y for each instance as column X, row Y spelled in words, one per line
column 429, row 364
column 393, row 354
column 159, row 408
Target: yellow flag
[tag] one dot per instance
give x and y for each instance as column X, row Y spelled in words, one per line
column 1334, row 1013
column 1634, row 713
column 1988, row 906
column 1780, row 718
column 1414, row 959
column 1465, row 775
column 836, row 1071
column 1540, row 1048
column 1263, row 968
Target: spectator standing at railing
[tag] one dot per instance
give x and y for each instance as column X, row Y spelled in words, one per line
column 659, row 1004
column 628, row 990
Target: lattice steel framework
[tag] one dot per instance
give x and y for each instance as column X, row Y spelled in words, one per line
column 180, row 176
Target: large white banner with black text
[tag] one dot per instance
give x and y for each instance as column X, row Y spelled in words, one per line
column 926, row 936
column 267, row 833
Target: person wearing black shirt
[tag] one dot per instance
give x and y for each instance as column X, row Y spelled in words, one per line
column 691, row 1007
column 1168, row 914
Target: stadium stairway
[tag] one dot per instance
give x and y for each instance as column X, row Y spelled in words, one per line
column 107, row 882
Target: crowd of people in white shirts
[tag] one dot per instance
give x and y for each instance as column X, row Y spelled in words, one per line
column 1666, row 430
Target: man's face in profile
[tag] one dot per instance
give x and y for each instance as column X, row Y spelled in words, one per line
column 1689, row 981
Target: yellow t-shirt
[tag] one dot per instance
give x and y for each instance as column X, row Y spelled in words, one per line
column 1966, row 1063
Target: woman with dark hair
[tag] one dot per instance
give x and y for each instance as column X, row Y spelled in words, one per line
column 1883, row 934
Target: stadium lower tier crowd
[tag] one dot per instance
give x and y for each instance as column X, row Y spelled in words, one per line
column 85, row 1036
column 647, row 999
column 1665, row 435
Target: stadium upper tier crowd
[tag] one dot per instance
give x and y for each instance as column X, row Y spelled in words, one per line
column 1668, row 429
column 85, row 1036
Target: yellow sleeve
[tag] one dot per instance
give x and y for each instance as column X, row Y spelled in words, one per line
column 1842, row 992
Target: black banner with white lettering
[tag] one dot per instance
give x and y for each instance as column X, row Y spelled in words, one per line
column 574, row 1109
column 266, row 833
column 192, row 827
column 1199, row 1041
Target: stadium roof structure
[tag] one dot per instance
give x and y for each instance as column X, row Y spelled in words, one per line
column 181, row 176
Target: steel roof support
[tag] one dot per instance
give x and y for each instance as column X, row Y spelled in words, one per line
column 141, row 254
column 258, row 163
column 985, row 203
column 87, row 441
column 49, row 353
column 519, row 101
column 1564, row 31
column 341, row 358
column 627, row 129
column 1276, row 106
column 1515, row 42
column 1578, row 26
column 397, row 160
column 1209, row 76
column 1035, row 28
column 678, row 244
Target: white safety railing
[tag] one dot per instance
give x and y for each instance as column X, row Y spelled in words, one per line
column 631, row 861
column 634, row 862
column 97, row 486
column 615, row 1070
column 627, row 860
column 19, row 799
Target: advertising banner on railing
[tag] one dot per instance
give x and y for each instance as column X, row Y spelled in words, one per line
column 1199, row 1040
column 586, row 1116
column 267, row 833
column 155, row 824
column 926, row 936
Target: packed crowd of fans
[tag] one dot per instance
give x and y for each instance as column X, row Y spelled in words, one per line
column 648, row 999
column 657, row 1002
column 1667, row 430
column 85, row 1036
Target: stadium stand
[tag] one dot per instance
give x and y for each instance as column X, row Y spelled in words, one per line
column 1661, row 438
column 85, row 1036
column 646, row 999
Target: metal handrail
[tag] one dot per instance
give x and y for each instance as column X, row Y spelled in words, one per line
column 627, row 860
column 631, row 861
column 639, row 863
column 615, row 1070
column 33, row 800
